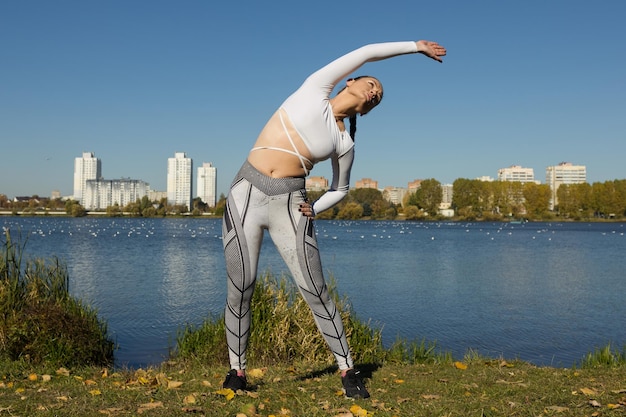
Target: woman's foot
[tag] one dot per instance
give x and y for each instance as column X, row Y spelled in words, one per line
column 353, row 385
column 235, row 380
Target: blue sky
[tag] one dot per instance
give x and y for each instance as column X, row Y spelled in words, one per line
column 531, row 83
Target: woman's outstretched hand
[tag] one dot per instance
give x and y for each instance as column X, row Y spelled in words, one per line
column 431, row 49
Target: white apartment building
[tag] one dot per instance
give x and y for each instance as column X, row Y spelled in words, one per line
column 447, row 191
column 516, row 173
column 207, row 184
column 86, row 167
column 179, row 180
column 101, row 193
column 394, row 195
column 564, row 173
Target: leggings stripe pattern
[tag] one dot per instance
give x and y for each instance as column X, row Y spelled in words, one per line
column 257, row 203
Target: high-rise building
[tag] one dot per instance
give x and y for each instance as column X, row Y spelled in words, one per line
column 414, row 185
column 564, row 173
column 207, row 183
column 313, row 183
column 394, row 195
column 366, row 183
column 179, row 180
column 101, row 193
column 87, row 167
column 516, row 173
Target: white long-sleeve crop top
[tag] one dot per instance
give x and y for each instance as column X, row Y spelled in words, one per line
column 311, row 114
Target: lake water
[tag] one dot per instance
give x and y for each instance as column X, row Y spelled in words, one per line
column 547, row 293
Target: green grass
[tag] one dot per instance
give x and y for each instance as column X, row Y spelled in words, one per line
column 184, row 388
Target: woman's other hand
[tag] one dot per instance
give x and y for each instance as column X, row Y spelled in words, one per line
column 307, row 210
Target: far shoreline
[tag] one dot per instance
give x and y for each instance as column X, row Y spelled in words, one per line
column 101, row 214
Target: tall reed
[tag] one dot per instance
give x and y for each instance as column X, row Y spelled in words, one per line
column 605, row 356
column 283, row 331
column 41, row 321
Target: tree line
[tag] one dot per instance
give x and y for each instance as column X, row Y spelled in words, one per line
column 482, row 200
column 471, row 200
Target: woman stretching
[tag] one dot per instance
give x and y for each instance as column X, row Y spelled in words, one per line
column 268, row 193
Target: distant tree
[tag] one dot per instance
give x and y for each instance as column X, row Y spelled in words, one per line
column 428, row 196
column 412, row 212
column 218, row 210
column 380, row 209
column 75, row 209
column 537, row 199
column 365, row 196
column 199, row 205
column 350, row 211
column 114, row 210
column 463, row 194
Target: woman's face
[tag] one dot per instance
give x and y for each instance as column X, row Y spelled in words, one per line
column 369, row 90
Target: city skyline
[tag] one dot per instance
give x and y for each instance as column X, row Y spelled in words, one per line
column 532, row 84
column 92, row 165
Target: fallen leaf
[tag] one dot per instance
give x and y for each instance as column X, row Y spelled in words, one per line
column 557, row 408
column 95, row 392
column 358, row 411
column 33, row 377
column 161, row 379
column 594, row 403
column 46, row 378
column 228, row 393
column 256, row 373
column 430, row 396
column 149, row 406
column 588, row 391
column 613, row 406
column 189, row 399
column 143, row 380
column 110, row 411
column 63, row 372
column 174, row 384
column 248, row 409
column 90, row 382
column 460, row 365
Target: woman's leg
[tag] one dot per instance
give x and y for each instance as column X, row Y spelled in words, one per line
column 242, row 233
column 294, row 237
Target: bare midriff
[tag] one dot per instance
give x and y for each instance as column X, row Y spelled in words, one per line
column 276, row 163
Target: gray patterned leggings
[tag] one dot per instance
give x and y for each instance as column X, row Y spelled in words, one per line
column 255, row 203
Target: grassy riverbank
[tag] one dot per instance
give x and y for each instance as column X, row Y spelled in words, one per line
column 55, row 360
column 472, row 387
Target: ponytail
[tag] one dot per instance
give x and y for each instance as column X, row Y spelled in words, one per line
column 352, row 126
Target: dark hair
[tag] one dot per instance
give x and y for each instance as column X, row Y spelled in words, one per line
column 352, row 119
column 352, row 126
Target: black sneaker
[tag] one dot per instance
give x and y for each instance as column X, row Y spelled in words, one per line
column 353, row 385
column 234, row 381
